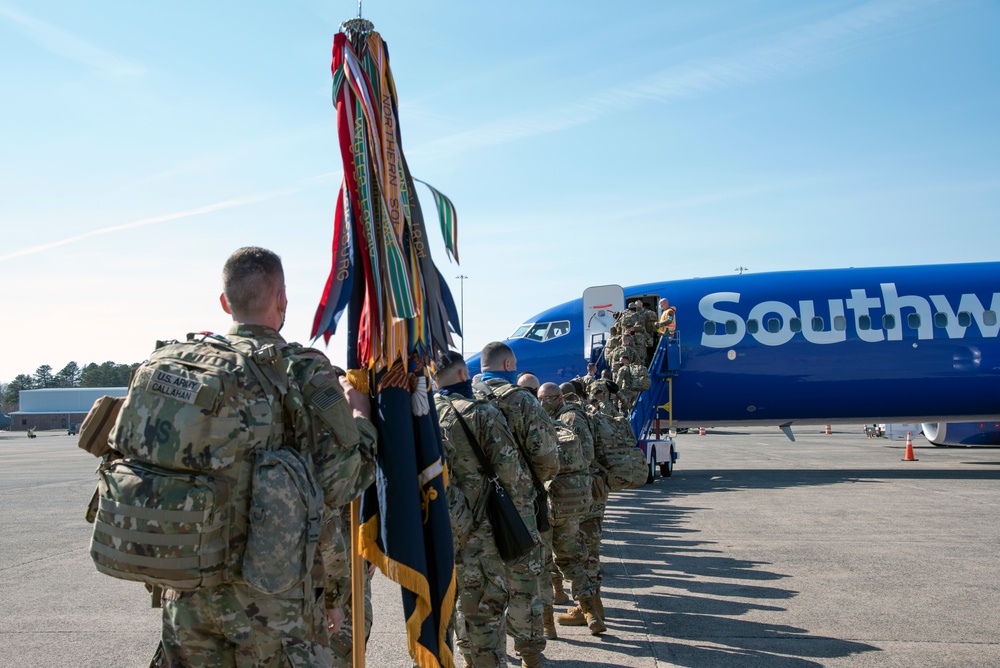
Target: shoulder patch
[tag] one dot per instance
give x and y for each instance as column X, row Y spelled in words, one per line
column 326, row 397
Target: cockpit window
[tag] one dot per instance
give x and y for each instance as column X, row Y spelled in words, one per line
column 519, row 332
column 542, row 331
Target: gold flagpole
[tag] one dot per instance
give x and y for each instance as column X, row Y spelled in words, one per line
column 358, row 574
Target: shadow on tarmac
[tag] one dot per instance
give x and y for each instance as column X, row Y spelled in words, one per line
column 683, row 589
column 700, row 482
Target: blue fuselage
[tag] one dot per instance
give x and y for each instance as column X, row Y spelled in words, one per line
column 904, row 344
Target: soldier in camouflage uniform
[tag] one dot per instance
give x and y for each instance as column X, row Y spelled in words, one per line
column 570, row 498
column 649, row 321
column 612, row 344
column 536, row 439
column 483, row 593
column 591, row 525
column 628, row 348
column 632, row 378
column 634, row 320
column 232, row 624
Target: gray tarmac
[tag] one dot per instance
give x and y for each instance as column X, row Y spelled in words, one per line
column 829, row 551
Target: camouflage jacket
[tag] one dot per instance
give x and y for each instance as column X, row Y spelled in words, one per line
column 466, row 477
column 623, row 376
column 649, row 320
column 530, row 425
column 322, row 425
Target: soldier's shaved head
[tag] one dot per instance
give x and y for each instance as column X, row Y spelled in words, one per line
column 528, row 380
column 569, row 388
column 497, row 356
column 253, row 284
column 549, row 390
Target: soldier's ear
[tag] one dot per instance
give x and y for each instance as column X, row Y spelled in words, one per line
column 225, row 303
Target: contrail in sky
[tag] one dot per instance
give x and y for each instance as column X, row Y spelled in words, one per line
column 208, row 208
column 65, row 44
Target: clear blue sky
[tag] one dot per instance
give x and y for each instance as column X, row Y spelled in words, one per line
column 582, row 142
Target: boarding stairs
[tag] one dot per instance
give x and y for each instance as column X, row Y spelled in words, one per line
column 656, row 404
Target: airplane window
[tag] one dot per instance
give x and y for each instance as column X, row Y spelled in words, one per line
column 888, row 321
column 839, row 323
column 817, row 324
column 730, row 327
column 990, row 318
column 753, row 326
column 710, row 328
column 864, row 322
column 560, row 328
column 913, row 321
column 941, row 320
column 519, row 332
column 795, row 324
column 773, row 325
column 964, row 318
column 537, row 331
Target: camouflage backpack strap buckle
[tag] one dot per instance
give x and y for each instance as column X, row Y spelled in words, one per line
column 270, row 360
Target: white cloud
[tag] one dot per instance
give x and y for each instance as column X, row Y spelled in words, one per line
column 784, row 55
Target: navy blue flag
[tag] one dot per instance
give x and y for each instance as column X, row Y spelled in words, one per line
column 406, row 529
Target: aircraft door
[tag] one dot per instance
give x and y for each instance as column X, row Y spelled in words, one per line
column 599, row 304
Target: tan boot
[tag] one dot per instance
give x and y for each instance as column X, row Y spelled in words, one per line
column 559, row 596
column 531, row 660
column 549, row 623
column 599, row 604
column 594, row 622
column 572, row 617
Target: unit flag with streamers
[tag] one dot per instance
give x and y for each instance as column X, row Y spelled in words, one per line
column 400, row 315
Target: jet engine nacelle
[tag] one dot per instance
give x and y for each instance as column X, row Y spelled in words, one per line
column 962, row 433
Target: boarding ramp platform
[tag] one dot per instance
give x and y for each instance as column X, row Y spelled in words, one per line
column 655, row 405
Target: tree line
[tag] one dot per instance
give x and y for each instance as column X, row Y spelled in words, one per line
column 109, row 374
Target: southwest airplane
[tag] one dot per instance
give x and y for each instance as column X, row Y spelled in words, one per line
column 828, row 346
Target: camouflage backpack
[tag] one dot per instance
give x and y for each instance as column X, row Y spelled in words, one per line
column 200, row 433
column 496, row 397
column 627, row 468
column 569, row 492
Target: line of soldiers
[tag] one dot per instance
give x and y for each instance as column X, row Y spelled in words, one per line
column 634, row 334
column 550, row 447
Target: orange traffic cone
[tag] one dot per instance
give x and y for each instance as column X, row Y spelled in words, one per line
column 701, row 431
column 908, row 457
column 828, row 430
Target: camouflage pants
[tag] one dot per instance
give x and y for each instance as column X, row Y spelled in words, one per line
column 230, row 625
column 570, row 552
column 591, row 526
column 548, row 565
column 481, row 601
column 524, row 607
column 342, row 643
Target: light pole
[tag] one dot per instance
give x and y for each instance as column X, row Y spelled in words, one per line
column 462, row 278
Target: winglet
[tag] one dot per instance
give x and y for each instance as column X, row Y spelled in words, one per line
column 787, row 429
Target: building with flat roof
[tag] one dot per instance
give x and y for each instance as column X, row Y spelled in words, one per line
column 58, row 407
